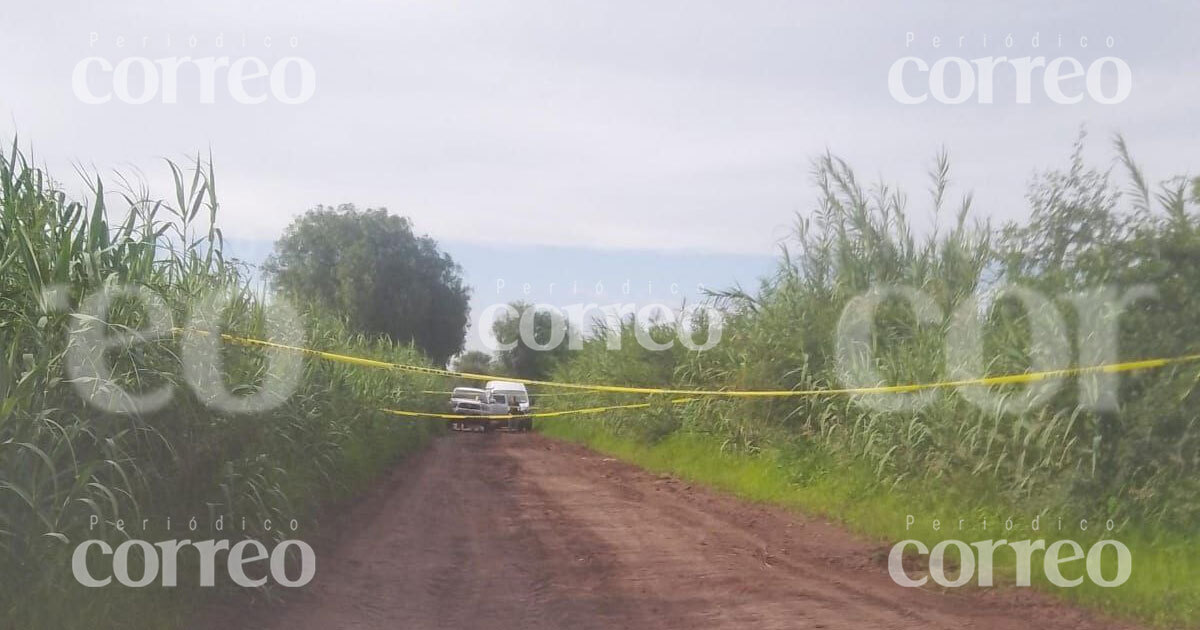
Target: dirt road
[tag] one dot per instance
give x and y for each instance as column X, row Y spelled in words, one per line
column 520, row 531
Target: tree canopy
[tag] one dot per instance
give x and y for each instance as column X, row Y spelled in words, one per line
column 522, row 359
column 475, row 362
column 368, row 267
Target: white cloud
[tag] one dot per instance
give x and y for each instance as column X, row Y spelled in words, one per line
column 683, row 126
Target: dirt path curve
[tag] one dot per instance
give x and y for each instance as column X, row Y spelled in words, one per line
column 521, row 531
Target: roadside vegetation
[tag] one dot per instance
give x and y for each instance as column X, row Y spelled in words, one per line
column 516, row 356
column 368, row 268
column 70, row 471
column 1088, row 228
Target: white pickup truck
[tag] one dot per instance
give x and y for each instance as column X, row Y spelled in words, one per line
column 497, row 398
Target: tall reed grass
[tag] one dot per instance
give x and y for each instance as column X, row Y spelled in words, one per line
column 70, row 471
column 1087, row 227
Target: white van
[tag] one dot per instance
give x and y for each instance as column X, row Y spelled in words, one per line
column 497, row 398
column 515, row 394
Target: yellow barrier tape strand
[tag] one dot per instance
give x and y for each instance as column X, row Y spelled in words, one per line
column 1027, row 377
column 540, row 414
column 537, row 395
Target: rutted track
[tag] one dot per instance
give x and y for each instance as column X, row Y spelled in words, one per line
column 520, row 531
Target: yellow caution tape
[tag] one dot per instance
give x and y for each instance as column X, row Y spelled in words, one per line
column 1026, row 377
column 537, row 395
column 540, row 414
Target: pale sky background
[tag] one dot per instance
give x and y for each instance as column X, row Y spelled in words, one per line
column 569, row 141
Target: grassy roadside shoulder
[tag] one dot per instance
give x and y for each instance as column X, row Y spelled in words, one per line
column 1164, row 589
column 364, row 461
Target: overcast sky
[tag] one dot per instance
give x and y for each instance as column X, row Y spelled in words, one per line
column 638, row 127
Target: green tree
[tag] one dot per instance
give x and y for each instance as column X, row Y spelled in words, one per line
column 475, row 362
column 521, row 359
column 368, row 267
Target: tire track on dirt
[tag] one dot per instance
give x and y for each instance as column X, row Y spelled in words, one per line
column 521, row 531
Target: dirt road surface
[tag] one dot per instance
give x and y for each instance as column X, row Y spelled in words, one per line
column 521, row 531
